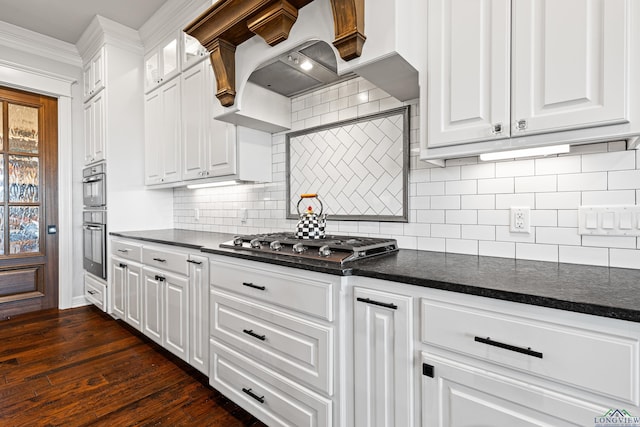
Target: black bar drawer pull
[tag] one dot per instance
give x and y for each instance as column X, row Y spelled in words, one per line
column 194, row 262
column 159, row 278
column 252, row 394
column 253, row 334
column 499, row 344
column 121, row 265
column 251, row 285
column 381, row 304
column 160, row 260
column 123, row 250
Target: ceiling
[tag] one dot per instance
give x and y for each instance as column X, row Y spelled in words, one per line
column 66, row 19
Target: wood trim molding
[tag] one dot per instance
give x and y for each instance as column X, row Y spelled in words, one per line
column 348, row 23
column 228, row 23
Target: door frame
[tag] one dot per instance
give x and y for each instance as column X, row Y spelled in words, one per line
column 58, row 86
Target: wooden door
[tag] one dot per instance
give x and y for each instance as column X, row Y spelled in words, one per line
column 28, row 202
column 570, row 64
column 469, row 71
column 382, row 359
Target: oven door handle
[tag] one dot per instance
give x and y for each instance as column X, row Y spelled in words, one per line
column 90, row 180
column 93, row 227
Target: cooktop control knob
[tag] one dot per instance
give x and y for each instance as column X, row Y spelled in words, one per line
column 298, row 248
column 255, row 243
column 237, row 241
column 275, row 245
column 324, row 251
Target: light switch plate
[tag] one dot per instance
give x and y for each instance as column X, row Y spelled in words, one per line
column 609, row 220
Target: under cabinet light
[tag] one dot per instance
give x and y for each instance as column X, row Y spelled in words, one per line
column 526, row 152
column 214, row 184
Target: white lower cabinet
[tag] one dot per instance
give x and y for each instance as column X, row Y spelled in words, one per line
column 273, row 341
column 383, row 350
column 163, row 292
column 461, row 395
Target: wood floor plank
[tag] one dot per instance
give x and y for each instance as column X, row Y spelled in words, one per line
column 81, row 367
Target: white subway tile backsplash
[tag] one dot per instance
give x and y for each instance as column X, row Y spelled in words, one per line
column 558, row 235
column 445, row 202
column 557, row 165
column 483, row 201
column 461, row 217
column 536, row 184
column 478, row 171
column 618, row 160
column 478, row 232
column 616, row 197
column 461, row 187
column 506, row 201
column 564, row 200
column 497, row 249
column 624, row 180
column 493, row 217
column 584, row 255
column 544, row 218
column 622, row 242
column 582, row 181
column 537, row 252
column 515, row 168
column 460, row 246
column 431, row 244
column 624, row 258
column 445, row 230
column 461, row 208
column 495, row 185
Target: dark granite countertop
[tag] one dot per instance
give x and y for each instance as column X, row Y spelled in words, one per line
column 600, row 291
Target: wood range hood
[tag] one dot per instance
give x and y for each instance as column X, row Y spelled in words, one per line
column 228, row 23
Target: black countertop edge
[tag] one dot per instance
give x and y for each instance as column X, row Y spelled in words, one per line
column 529, row 299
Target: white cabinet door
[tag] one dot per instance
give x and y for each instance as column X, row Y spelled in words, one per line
column 118, row 287
column 570, row 64
column 152, row 303
column 162, row 134
column 133, row 303
column 175, row 336
column 94, row 129
column 222, row 142
column 194, row 119
column 383, row 368
column 458, row 395
column 199, row 313
column 469, row 71
column 93, row 74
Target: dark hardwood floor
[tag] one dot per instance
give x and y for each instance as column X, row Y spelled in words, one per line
column 80, row 367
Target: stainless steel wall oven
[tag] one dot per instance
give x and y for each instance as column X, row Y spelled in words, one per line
column 94, row 233
column 94, row 191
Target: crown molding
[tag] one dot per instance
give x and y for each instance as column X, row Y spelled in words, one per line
column 170, row 17
column 38, row 44
column 101, row 31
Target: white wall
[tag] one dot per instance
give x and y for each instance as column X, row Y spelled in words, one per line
column 461, row 208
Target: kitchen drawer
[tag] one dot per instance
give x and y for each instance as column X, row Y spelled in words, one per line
column 165, row 260
column 95, row 291
column 295, row 347
column 606, row 364
column 301, row 291
column 126, row 250
column 270, row 397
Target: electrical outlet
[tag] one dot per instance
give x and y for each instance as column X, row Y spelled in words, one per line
column 520, row 220
column 196, row 214
column 243, row 215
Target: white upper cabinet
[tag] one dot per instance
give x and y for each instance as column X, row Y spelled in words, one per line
column 94, row 74
column 192, row 51
column 162, row 63
column 569, row 64
column 500, row 69
column 208, row 145
column 469, row 73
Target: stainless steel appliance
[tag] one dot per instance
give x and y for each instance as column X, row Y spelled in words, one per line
column 94, row 187
column 338, row 249
column 94, row 232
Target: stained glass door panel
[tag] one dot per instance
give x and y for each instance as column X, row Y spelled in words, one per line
column 24, row 173
column 23, row 128
column 24, row 229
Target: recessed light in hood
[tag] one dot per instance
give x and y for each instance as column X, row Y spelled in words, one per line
column 310, row 66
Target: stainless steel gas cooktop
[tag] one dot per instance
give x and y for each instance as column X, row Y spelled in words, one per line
column 339, row 249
